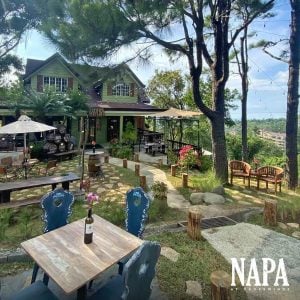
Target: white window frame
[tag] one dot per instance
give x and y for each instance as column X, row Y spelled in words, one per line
column 121, row 89
column 60, row 84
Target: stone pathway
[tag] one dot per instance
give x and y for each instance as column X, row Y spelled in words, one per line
column 251, row 241
column 175, row 200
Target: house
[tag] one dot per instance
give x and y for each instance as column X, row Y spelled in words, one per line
column 115, row 97
column 278, row 138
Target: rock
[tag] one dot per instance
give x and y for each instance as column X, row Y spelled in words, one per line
column 196, row 198
column 244, row 203
column 100, row 190
column 211, row 198
column 296, row 234
column 170, row 253
column 109, row 185
column 219, row 190
column 293, row 225
column 281, row 225
column 194, row 288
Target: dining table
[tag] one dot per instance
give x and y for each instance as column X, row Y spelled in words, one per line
column 72, row 264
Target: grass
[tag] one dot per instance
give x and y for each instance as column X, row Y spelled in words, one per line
column 14, row 268
column 196, row 262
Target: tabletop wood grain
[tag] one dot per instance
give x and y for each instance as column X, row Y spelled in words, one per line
column 63, row 255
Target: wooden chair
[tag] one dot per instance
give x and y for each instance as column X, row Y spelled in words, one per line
column 270, row 174
column 7, row 174
column 50, row 168
column 56, row 207
column 135, row 281
column 239, row 169
column 37, row 290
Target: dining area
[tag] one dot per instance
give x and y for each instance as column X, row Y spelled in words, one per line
column 115, row 262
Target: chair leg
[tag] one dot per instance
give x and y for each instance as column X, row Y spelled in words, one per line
column 275, row 188
column 34, row 273
column 46, row 279
column 279, row 187
column 231, row 178
column 257, row 183
column 267, row 186
column 90, row 284
column 249, row 182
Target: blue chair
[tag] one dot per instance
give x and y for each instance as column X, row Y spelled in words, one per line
column 135, row 282
column 37, row 290
column 137, row 206
column 56, row 207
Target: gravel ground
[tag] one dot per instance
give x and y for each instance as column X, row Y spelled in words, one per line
column 252, row 241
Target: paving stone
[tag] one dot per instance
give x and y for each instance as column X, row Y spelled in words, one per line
column 244, row 203
column 170, row 253
column 109, row 185
column 115, row 178
column 282, row 225
column 119, row 184
column 293, row 225
column 296, row 234
column 194, row 288
column 101, row 190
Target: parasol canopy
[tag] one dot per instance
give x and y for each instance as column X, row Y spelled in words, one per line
column 176, row 113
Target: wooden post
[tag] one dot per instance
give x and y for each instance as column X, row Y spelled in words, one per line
column 106, row 159
column 220, row 285
column 137, row 169
column 160, row 162
column 194, row 222
column 270, row 212
column 185, row 179
column 136, row 157
column 124, row 163
column 143, row 183
column 173, row 170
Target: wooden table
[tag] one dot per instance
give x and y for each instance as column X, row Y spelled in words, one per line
column 63, row 255
column 8, row 187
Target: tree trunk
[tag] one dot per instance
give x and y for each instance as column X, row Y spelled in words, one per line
column 244, row 128
column 219, row 149
column 293, row 97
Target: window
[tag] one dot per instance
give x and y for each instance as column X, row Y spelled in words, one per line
column 58, row 83
column 121, row 89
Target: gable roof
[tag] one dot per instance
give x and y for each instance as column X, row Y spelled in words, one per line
column 87, row 74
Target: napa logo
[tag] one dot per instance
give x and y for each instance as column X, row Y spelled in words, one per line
column 258, row 277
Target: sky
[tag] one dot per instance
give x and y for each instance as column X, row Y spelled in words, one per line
column 268, row 77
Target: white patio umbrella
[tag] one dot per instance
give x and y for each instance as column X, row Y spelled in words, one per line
column 24, row 125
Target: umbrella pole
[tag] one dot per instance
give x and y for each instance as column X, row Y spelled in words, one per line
column 25, row 157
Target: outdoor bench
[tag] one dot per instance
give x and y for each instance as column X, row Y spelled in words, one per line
column 239, row 169
column 68, row 154
column 270, row 174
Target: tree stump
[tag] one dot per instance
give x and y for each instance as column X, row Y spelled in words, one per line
column 173, row 170
column 270, row 212
column 143, row 182
column 106, row 159
column 137, row 169
column 124, row 163
column 136, row 157
column 194, row 222
column 185, row 179
column 160, row 162
column 220, row 285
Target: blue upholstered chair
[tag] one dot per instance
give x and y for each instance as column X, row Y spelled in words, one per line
column 56, row 207
column 135, row 281
column 137, row 205
column 37, row 290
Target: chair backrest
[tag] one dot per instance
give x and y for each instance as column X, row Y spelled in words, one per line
column 270, row 171
column 240, row 166
column 56, row 207
column 51, row 164
column 137, row 205
column 3, row 170
column 139, row 271
column 7, row 161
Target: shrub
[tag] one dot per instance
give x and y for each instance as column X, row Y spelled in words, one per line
column 37, row 151
column 124, row 152
column 205, row 182
column 130, row 134
column 187, row 157
column 5, row 217
column 25, row 222
column 160, row 190
column 172, row 157
column 206, row 163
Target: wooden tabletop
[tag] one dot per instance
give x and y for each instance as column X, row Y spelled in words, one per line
column 63, row 255
column 34, row 182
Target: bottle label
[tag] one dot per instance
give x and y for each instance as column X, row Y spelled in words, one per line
column 88, row 228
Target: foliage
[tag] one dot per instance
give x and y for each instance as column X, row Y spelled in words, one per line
column 160, row 190
column 77, row 101
column 206, row 182
column 5, row 217
column 121, row 151
column 206, row 163
column 130, row 134
column 172, row 157
column 25, row 222
column 187, row 157
column 36, row 150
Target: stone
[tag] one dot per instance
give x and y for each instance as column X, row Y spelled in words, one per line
column 281, row 225
column 219, row 190
column 293, row 225
column 109, row 185
column 120, row 184
column 211, row 198
column 196, row 198
column 296, row 234
column 244, row 203
column 101, row 190
column 194, row 289
column 115, row 178
column 169, row 253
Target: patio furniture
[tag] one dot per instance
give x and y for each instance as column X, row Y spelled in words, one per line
column 50, row 169
column 7, row 188
column 137, row 206
column 63, row 252
column 36, row 290
column 239, row 169
column 270, row 174
column 135, row 282
column 6, row 175
column 56, row 207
